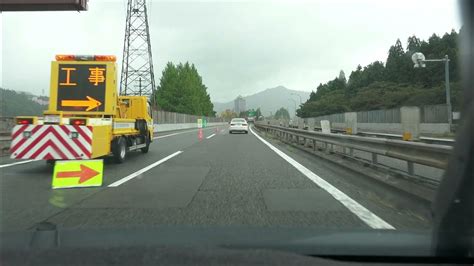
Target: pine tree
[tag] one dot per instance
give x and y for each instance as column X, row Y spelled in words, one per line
column 342, row 76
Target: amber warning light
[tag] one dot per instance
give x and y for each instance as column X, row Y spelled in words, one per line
column 65, row 57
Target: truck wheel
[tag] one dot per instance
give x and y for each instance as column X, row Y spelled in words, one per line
column 119, row 149
column 147, row 147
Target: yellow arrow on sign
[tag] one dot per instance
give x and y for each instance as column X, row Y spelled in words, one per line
column 90, row 103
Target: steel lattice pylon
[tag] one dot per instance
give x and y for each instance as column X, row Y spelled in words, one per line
column 137, row 63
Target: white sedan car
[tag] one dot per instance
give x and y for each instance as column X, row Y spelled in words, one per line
column 238, row 125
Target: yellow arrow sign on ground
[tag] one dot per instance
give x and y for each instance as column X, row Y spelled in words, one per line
column 90, row 103
column 78, row 173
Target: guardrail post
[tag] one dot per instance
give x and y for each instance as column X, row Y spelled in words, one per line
column 374, row 158
column 411, row 168
column 314, row 145
column 319, row 147
column 410, row 118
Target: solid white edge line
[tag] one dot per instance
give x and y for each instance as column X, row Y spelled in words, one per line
column 143, row 170
column 17, row 163
column 210, row 136
column 360, row 211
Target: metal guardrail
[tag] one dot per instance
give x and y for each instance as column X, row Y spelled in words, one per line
column 428, row 140
column 432, row 155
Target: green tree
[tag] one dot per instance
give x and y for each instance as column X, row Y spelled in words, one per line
column 413, row 44
column 342, row 76
column 181, row 90
column 282, row 113
column 228, row 115
column 258, row 113
column 399, row 65
column 394, row 84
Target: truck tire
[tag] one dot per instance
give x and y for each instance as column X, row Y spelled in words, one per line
column 147, row 147
column 119, row 149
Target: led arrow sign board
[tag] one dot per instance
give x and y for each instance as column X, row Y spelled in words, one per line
column 85, row 87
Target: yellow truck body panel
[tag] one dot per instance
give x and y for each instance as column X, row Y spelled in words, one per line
column 102, row 137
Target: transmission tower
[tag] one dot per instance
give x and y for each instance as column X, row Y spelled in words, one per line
column 137, row 63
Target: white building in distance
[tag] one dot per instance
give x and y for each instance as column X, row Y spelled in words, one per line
column 239, row 105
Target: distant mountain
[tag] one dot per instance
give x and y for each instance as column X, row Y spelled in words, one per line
column 269, row 101
column 14, row 103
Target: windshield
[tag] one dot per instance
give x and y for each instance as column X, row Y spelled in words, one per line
column 353, row 107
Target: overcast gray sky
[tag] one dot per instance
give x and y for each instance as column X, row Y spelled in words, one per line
column 239, row 47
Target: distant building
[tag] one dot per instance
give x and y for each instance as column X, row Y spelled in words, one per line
column 239, row 105
column 43, row 100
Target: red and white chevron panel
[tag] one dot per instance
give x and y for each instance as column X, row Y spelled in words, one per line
column 60, row 142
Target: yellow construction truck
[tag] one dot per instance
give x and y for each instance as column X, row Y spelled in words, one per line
column 86, row 117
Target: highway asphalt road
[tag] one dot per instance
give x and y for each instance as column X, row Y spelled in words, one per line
column 222, row 179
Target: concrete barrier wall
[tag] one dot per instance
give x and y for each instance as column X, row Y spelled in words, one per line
column 412, row 120
column 6, row 124
column 395, row 128
column 164, row 117
column 338, row 125
column 434, row 128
